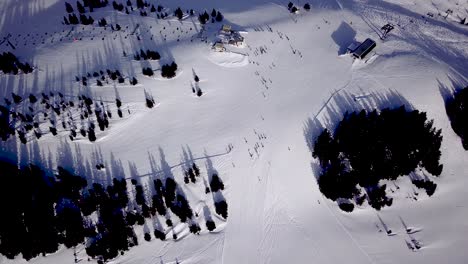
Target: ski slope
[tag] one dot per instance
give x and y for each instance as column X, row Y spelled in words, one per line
column 268, row 99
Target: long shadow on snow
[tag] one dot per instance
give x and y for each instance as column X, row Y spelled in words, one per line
column 343, row 36
column 448, row 93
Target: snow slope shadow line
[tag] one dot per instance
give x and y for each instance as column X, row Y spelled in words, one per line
column 179, row 165
column 447, row 92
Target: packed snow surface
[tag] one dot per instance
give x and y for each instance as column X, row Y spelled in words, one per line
column 265, row 101
column 229, row 59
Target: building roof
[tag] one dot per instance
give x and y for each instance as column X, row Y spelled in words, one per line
column 353, row 46
column 364, row 48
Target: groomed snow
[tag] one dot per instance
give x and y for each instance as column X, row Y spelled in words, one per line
column 229, row 59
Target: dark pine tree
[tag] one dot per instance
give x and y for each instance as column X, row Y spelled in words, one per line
column 179, row 13
column 216, row 184
column 91, row 135
column 80, row 7
column 68, row 7
column 210, row 225
column 140, row 4
column 222, row 208
column 219, row 17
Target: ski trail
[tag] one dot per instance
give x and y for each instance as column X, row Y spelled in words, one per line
column 347, row 232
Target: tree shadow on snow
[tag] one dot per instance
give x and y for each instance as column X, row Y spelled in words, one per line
column 448, row 91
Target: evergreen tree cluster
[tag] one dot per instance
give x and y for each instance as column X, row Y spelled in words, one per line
column 86, row 20
column 27, row 227
column 427, row 185
column 102, row 22
column 117, row 6
column 157, row 199
column 218, row 17
column 216, row 184
column 27, row 118
column 45, row 211
column 113, row 233
column 141, row 4
column 169, row 70
column 102, row 76
column 6, row 129
column 9, row 64
column 215, row 16
column 176, row 201
column 90, row 4
column 347, row 207
column 369, row 146
column 221, row 208
column 102, row 116
column 210, row 225
column 95, row 4
column 292, row 8
column 148, row 55
column 148, row 71
column 178, row 13
column 191, row 174
column 73, row 19
column 457, row 111
column 49, row 211
column 203, row 18
column 194, row 228
column 69, row 8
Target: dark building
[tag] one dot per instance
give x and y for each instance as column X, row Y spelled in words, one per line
column 363, row 49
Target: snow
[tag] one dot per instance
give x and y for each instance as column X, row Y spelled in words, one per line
column 288, row 79
column 229, row 59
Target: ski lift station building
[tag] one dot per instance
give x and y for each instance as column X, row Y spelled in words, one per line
column 360, row 51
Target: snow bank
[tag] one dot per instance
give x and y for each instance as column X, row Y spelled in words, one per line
column 229, row 59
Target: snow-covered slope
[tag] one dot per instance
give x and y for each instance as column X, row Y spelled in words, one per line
column 267, row 100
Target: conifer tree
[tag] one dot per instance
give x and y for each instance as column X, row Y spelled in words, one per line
column 80, row 7
column 68, row 7
column 219, row 17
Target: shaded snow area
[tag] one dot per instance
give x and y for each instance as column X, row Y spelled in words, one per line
column 251, row 118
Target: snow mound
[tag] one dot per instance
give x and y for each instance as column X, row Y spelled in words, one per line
column 229, row 59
